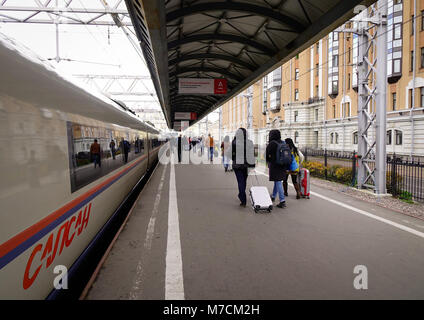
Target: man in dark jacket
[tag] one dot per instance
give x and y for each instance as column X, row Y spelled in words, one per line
column 277, row 172
column 243, row 156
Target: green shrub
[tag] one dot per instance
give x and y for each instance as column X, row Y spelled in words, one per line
column 331, row 172
column 344, row 175
column 405, row 196
column 316, row 169
column 336, row 173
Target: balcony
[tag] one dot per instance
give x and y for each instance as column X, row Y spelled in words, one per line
column 275, row 100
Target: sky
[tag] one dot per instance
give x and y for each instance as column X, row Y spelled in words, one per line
column 92, row 49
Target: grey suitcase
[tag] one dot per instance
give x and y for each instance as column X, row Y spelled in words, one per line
column 260, row 198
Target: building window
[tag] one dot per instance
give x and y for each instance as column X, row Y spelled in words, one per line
column 397, row 31
column 316, row 91
column 334, row 111
column 317, row 69
column 394, row 101
column 331, row 138
column 316, row 114
column 317, row 46
column 296, row 94
column 355, row 137
column 422, row 97
column 348, row 81
column 337, row 138
column 398, row 134
column 335, row 86
column 389, row 137
column 296, row 115
column 296, row 137
column 348, row 55
column 335, row 60
column 296, row 74
column 396, row 66
column 346, row 109
column 335, row 36
column 412, row 24
column 422, row 20
column 422, row 57
column 410, row 98
column 411, row 67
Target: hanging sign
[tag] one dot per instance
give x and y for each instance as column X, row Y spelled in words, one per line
column 202, row 86
column 185, row 115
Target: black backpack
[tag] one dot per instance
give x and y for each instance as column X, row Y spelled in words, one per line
column 283, row 155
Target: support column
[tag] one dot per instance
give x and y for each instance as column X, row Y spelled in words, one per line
column 362, row 98
column 381, row 98
column 372, row 83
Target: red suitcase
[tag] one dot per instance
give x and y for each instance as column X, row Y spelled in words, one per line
column 305, row 183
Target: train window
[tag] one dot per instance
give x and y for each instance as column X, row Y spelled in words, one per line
column 97, row 151
column 155, row 143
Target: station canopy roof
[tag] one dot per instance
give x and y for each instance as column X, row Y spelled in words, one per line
column 240, row 40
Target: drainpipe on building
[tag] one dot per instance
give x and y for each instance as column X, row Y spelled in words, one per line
column 325, row 92
column 291, row 97
column 411, row 118
column 344, row 92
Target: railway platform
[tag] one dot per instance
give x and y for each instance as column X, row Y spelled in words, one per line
column 187, row 238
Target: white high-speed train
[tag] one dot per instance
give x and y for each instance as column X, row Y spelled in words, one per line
column 53, row 200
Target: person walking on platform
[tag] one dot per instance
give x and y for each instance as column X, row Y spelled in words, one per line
column 210, row 145
column 95, row 153
column 294, row 168
column 277, row 170
column 224, row 147
column 243, row 155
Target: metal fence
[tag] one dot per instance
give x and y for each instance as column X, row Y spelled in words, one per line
column 404, row 178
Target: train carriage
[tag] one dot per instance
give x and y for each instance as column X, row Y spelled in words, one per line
column 53, row 200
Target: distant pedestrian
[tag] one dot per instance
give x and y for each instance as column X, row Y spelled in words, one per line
column 210, row 145
column 294, row 169
column 112, row 148
column 276, row 151
column 243, row 157
column 95, row 153
column 224, row 147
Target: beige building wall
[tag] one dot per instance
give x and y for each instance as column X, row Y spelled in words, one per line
column 309, row 115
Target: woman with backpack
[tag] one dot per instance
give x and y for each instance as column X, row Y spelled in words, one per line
column 277, row 172
column 294, row 168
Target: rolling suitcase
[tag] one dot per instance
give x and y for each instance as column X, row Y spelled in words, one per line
column 260, row 198
column 305, row 184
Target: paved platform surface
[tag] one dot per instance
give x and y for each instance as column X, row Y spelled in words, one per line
column 306, row 251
